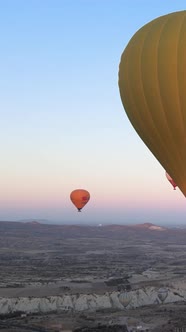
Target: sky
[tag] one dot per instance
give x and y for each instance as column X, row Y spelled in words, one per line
column 63, row 126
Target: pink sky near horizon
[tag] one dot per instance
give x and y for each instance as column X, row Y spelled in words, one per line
column 118, row 199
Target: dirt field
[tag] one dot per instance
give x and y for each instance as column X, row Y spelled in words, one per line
column 43, row 260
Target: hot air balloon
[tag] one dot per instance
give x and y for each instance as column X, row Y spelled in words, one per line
column 152, row 84
column 125, row 298
column 162, row 294
column 171, row 180
column 80, row 198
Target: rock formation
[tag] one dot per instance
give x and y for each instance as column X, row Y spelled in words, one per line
column 90, row 302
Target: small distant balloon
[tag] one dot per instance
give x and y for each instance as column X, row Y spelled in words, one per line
column 125, row 298
column 171, row 180
column 79, row 198
column 162, row 294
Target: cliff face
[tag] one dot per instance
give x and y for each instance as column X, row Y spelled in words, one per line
column 86, row 302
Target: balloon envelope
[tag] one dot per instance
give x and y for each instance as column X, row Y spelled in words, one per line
column 125, row 298
column 79, row 198
column 171, row 180
column 152, row 84
column 162, row 294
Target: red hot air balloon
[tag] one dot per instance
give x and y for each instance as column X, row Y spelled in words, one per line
column 79, row 198
column 171, row 180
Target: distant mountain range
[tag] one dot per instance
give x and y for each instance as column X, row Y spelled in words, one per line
column 145, row 226
column 35, row 221
column 150, row 227
column 109, row 227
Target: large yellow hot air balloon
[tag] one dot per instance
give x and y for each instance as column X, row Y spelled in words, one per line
column 79, row 198
column 152, row 83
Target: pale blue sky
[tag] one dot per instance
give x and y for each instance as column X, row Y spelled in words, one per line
column 63, row 125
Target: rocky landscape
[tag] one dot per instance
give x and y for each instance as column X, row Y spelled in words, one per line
column 89, row 278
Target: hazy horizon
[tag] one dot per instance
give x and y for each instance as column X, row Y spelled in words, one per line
column 96, row 223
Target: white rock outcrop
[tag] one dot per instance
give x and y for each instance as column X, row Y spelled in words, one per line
column 83, row 302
